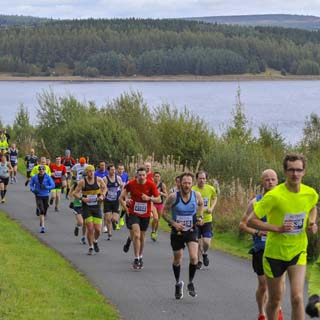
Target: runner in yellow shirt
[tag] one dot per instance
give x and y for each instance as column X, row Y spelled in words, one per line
column 291, row 212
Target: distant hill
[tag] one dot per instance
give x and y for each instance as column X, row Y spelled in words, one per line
column 279, row 20
column 15, row 20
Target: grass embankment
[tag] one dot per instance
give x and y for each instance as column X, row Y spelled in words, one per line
column 37, row 283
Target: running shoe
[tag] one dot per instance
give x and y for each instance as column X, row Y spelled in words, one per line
column 96, row 247
column 191, row 290
column 262, row 317
column 117, row 226
column 56, row 209
column 205, row 260
column 154, row 236
column 109, row 237
column 179, row 290
column 280, row 314
column 141, row 263
column 313, row 306
column 26, row 183
column 90, row 252
column 126, row 246
column 83, row 240
column 76, row 231
column 136, row 265
column 121, row 222
column 42, row 229
column 51, row 202
column 3, row 200
column 199, row 265
column 104, row 229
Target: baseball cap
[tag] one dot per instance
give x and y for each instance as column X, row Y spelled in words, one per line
column 82, row 160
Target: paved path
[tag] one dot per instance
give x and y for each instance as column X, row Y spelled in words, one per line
column 226, row 290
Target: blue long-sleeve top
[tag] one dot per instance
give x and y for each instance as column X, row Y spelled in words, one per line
column 43, row 189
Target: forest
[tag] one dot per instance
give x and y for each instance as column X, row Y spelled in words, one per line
column 129, row 47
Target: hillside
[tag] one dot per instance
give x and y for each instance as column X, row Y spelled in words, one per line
column 15, row 20
column 279, row 20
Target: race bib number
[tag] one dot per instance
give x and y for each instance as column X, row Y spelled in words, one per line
column 264, row 238
column 187, row 222
column 79, row 175
column 31, row 165
column 112, row 195
column 298, row 220
column 13, row 158
column 92, row 199
column 68, row 168
column 58, row 174
column 205, row 203
column 140, row 207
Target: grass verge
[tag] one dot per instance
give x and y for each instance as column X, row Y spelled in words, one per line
column 37, row 283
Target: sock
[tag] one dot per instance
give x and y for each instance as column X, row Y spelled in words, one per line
column 68, row 189
column 2, row 194
column 192, row 271
column 176, row 271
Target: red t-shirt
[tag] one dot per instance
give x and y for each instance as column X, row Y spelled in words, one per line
column 57, row 172
column 69, row 162
column 138, row 206
column 150, row 176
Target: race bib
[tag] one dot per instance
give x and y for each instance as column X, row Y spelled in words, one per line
column 140, row 207
column 13, row 158
column 92, row 199
column 31, row 165
column 58, row 174
column 298, row 220
column 187, row 222
column 263, row 238
column 68, row 168
column 112, row 195
column 79, row 174
column 205, row 203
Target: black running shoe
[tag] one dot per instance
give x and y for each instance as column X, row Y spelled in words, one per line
column 199, row 265
column 96, row 247
column 191, row 290
column 126, row 246
column 51, row 202
column 141, row 263
column 205, row 260
column 26, row 183
column 136, row 265
column 313, row 306
column 90, row 252
column 76, row 231
column 179, row 290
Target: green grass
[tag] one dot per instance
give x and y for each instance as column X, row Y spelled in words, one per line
column 22, row 167
column 37, row 283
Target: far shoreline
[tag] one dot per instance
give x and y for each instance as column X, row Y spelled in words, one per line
column 168, row 78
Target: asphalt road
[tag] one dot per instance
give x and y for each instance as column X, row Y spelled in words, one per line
column 226, row 289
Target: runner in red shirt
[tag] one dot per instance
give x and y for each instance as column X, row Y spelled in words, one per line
column 68, row 162
column 142, row 193
column 58, row 173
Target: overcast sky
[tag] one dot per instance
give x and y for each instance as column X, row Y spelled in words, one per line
column 154, row 8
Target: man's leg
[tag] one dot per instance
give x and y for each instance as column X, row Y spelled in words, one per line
column 296, row 275
column 262, row 294
column 313, row 306
column 136, row 239
column 275, row 295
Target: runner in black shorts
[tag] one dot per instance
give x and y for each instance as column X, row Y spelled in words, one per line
column 186, row 206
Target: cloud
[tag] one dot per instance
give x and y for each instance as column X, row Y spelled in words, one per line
column 155, row 8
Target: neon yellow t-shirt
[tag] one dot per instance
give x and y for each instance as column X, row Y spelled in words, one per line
column 207, row 193
column 35, row 170
column 279, row 205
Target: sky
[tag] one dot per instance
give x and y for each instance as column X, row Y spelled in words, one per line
column 80, row 9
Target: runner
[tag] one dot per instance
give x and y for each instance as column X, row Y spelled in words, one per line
column 30, row 161
column 13, row 158
column 142, row 193
column 77, row 210
column 4, row 145
column 291, row 211
column 102, row 172
column 158, row 206
column 176, row 187
column 111, row 202
column 124, row 177
column 269, row 180
column 68, row 162
column 5, row 169
column 205, row 234
column 313, row 306
column 77, row 172
column 58, row 171
column 186, row 206
column 91, row 191
column 41, row 185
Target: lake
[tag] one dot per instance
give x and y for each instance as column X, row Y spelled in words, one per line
column 281, row 104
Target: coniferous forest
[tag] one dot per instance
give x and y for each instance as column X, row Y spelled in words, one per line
column 127, row 47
